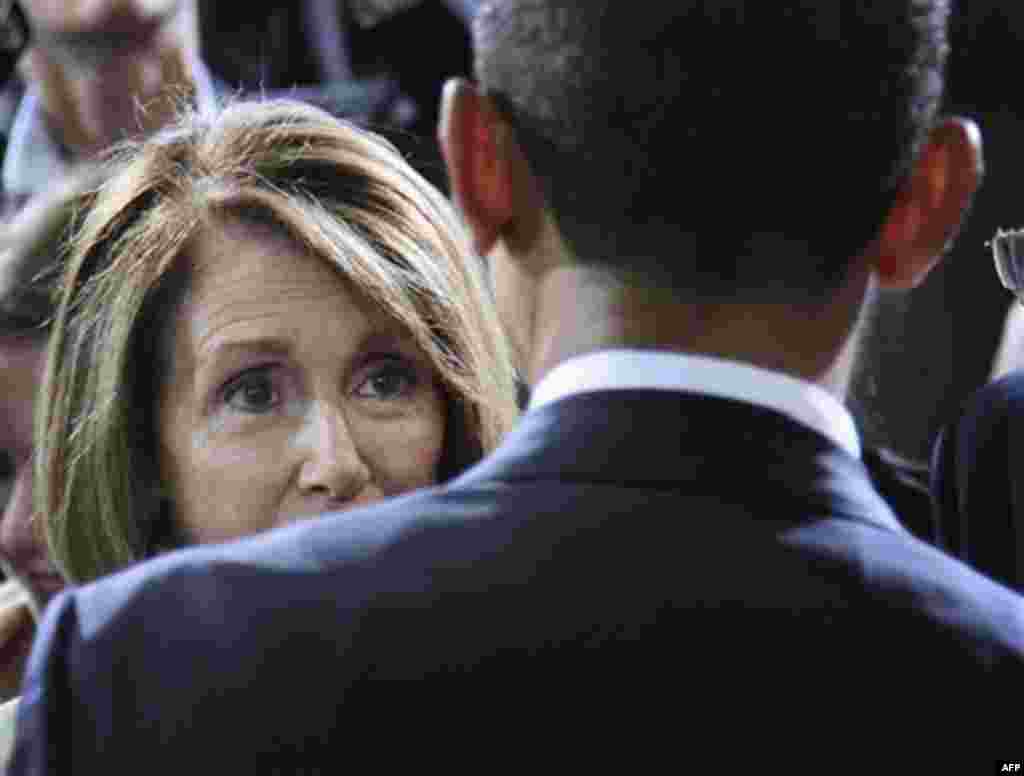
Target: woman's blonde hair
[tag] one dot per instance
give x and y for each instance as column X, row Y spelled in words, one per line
column 342, row 193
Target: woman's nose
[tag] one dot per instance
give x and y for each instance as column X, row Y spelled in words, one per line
column 332, row 467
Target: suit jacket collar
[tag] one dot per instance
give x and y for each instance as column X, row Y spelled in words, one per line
column 652, row 369
column 685, row 441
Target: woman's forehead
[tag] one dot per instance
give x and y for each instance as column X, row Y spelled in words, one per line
column 248, row 283
column 237, row 258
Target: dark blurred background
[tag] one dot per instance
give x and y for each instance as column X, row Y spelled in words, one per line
column 381, row 61
column 931, row 348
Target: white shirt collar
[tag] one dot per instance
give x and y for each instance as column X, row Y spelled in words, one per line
column 619, row 370
column 33, row 158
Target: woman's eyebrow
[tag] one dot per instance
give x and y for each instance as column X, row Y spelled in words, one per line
column 226, row 349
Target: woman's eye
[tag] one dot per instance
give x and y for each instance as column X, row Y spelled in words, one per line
column 252, row 392
column 390, row 381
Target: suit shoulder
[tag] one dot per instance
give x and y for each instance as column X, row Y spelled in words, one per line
column 996, row 400
column 896, row 576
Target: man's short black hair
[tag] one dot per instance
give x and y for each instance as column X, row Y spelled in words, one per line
column 737, row 150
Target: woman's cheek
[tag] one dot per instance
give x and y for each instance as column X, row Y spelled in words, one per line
column 230, row 489
column 405, row 452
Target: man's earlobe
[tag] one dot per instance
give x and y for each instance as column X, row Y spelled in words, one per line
column 930, row 205
column 470, row 135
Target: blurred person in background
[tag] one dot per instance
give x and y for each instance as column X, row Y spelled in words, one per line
column 31, row 246
column 381, row 62
column 977, row 478
column 95, row 73
column 931, row 348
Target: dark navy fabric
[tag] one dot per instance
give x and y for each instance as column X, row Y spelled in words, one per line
column 627, row 561
column 978, row 481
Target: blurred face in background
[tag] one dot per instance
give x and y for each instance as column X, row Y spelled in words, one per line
column 95, row 61
column 21, row 541
column 288, row 396
column 96, row 14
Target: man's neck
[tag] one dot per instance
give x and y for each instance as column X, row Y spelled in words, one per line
column 581, row 309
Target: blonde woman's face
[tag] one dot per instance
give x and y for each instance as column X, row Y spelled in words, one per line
column 288, row 395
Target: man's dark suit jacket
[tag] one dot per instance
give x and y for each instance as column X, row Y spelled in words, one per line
column 633, row 560
column 978, row 481
column 904, row 486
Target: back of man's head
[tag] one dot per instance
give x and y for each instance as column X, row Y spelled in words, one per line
column 737, row 150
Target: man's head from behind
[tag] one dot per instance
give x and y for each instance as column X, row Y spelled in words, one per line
column 733, row 151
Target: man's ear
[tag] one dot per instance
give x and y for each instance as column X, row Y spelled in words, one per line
column 474, row 140
column 930, row 205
